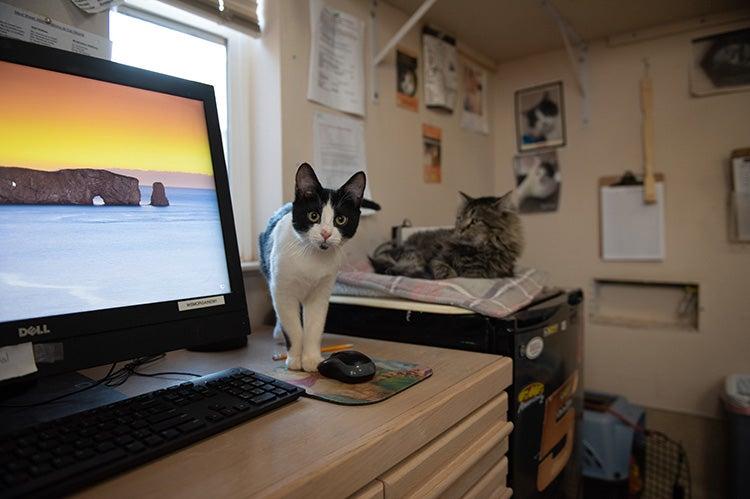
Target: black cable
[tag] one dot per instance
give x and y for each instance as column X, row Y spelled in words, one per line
column 113, row 378
column 54, row 399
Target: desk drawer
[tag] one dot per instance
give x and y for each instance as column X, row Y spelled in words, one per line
column 492, row 484
column 447, row 458
column 373, row 490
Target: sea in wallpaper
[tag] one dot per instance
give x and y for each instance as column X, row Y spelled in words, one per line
column 79, row 228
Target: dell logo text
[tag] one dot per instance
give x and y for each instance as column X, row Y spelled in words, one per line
column 33, row 330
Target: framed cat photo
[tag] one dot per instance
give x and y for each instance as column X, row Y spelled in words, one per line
column 540, row 117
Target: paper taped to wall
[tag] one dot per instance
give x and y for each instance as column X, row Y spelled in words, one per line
column 17, row 361
column 632, row 229
column 30, row 27
column 337, row 73
column 339, row 150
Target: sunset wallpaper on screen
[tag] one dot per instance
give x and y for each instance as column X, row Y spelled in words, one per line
column 53, row 121
column 107, row 197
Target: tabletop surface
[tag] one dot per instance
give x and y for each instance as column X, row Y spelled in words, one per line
column 310, row 445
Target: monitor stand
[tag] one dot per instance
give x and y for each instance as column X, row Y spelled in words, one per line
column 15, row 418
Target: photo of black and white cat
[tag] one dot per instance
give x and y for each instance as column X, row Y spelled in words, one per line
column 540, row 117
column 537, row 182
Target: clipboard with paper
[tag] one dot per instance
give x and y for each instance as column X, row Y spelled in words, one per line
column 631, row 230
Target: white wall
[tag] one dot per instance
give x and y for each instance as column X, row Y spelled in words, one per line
column 693, row 138
column 393, row 135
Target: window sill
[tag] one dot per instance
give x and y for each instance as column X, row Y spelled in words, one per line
column 252, row 266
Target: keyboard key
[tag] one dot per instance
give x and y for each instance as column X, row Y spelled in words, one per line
column 40, row 469
column 83, row 443
column 123, row 440
column 161, row 417
column 170, row 434
column 84, row 454
column 169, row 423
column 191, row 426
column 26, row 452
column 141, row 434
column 41, row 457
column 263, row 398
column 135, row 447
column 153, row 440
column 63, row 450
column 228, row 411
column 105, row 446
column 242, row 407
column 61, row 462
column 17, row 465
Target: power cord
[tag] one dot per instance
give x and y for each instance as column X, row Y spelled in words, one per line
column 113, row 378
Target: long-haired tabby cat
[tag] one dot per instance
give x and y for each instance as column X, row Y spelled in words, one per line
column 300, row 253
column 485, row 242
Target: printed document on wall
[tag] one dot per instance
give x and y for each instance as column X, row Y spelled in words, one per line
column 337, row 73
column 30, row 27
column 339, row 150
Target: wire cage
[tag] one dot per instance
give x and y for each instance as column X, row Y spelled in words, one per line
column 667, row 474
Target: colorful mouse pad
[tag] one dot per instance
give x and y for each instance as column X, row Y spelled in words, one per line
column 391, row 377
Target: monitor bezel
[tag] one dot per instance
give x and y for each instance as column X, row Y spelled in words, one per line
column 116, row 320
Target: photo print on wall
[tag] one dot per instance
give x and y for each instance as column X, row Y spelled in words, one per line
column 721, row 63
column 432, row 154
column 540, row 117
column 474, row 109
column 537, row 181
column 406, row 80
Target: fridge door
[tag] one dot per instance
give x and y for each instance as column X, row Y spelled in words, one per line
column 546, row 401
column 463, row 331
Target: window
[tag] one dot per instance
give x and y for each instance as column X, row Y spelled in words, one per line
column 160, row 37
column 148, row 42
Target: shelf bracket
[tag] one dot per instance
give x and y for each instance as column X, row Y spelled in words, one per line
column 577, row 51
column 377, row 57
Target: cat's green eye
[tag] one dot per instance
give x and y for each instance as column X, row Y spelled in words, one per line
column 340, row 220
column 313, row 216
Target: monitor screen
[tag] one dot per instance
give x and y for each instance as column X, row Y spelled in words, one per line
column 107, row 197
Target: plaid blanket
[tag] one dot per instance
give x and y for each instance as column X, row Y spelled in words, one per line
column 491, row 297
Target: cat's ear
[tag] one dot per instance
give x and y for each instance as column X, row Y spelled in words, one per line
column 306, row 183
column 466, row 198
column 354, row 188
column 506, row 202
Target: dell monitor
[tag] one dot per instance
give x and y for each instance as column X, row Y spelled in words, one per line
column 117, row 238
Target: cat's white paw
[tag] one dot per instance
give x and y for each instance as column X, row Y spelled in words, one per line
column 310, row 362
column 294, row 363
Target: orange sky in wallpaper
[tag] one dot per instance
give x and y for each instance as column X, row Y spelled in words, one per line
column 50, row 121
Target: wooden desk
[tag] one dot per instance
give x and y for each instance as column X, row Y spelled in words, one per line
column 444, row 436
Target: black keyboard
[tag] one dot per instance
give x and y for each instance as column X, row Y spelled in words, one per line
column 57, row 457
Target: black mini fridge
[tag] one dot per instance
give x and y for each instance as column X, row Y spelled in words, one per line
column 545, row 401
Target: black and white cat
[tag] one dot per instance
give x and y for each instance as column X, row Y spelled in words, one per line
column 541, row 120
column 300, row 254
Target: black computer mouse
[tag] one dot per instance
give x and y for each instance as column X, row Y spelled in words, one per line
column 348, row 366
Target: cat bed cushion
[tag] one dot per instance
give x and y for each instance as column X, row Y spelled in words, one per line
column 491, row 297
